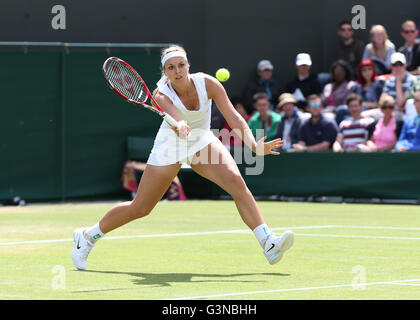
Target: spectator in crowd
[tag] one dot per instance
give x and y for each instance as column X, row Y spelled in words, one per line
column 353, row 133
column 350, row 48
column 335, row 93
column 305, row 83
column 288, row 127
column 386, row 129
column 410, row 108
column 264, row 82
column 264, row 119
column 317, row 132
column 379, row 50
column 399, row 85
column 411, row 47
column 409, row 139
column 367, row 86
column 228, row 137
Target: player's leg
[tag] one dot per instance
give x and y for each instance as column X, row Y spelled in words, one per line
column 225, row 173
column 216, row 164
column 153, row 184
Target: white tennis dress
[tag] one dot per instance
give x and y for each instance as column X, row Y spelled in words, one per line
column 168, row 148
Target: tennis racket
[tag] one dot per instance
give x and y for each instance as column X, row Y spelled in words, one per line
column 127, row 83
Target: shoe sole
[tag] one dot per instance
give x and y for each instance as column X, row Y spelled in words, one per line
column 287, row 242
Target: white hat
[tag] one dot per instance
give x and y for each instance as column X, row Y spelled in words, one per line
column 264, row 64
column 398, row 57
column 303, row 58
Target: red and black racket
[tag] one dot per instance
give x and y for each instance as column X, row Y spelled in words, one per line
column 127, row 83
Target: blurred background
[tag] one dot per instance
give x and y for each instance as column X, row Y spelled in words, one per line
column 64, row 134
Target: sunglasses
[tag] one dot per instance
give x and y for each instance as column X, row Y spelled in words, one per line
column 408, row 31
column 314, row 104
column 346, row 29
column 397, row 64
column 384, row 107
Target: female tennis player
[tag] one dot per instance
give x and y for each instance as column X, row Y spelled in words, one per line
column 188, row 98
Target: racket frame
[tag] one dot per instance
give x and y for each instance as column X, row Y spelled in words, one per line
column 154, row 107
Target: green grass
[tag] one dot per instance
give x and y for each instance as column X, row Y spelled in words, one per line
column 323, row 263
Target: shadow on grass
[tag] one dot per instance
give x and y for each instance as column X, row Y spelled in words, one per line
column 165, row 279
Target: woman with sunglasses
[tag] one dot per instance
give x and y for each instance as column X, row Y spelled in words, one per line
column 387, row 128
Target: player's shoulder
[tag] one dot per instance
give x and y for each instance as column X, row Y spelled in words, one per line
column 160, row 97
column 213, row 86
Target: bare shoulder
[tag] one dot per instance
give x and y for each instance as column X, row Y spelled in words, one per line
column 161, row 98
column 213, row 86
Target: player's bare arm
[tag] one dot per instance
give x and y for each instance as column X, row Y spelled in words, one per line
column 218, row 93
column 166, row 104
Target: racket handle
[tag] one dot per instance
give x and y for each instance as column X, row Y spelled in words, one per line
column 171, row 120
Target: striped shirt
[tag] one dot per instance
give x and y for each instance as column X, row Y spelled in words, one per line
column 354, row 132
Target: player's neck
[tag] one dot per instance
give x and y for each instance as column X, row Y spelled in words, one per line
column 182, row 88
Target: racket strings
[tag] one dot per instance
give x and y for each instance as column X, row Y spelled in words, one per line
column 125, row 81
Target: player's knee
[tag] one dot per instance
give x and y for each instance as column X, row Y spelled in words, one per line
column 237, row 185
column 139, row 211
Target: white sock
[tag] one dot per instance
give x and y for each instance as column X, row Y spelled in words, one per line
column 94, row 233
column 262, row 233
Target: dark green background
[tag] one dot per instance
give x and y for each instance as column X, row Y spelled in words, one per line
column 63, row 131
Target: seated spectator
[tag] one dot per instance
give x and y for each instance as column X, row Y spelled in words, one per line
column 399, row 85
column 409, row 139
column 305, row 83
column 353, row 133
column 411, row 47
column 380, row 49
column 410, row 108
column 350, row 48
column 264, row 82
column 317, row 132
column 264, row 119
column 336, row 92
column 386, row 129
column 367, row 87
column 228, row 137
column 288, row 127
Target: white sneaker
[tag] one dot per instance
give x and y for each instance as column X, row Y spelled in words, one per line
column 276, row 246
column 81, row 249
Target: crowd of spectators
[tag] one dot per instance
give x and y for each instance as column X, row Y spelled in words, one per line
column 369, row 100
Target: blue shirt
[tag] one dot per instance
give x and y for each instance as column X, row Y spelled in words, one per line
column 323, row 130
column 372, row 94
column 391, row 87
column 410, row 134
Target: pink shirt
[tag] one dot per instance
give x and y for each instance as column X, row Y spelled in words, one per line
column 384, row 135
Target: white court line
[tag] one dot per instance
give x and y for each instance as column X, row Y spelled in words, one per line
column 406, row 284
column 291, row 289
column 161, row 235
column 377, row 227
column 232, row 231
column 354, row 236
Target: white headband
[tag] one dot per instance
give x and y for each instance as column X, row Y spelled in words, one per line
column 172, row 54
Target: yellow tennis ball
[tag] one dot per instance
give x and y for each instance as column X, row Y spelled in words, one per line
column 222, row 74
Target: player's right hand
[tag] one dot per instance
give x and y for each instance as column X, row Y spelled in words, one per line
column 183, row 131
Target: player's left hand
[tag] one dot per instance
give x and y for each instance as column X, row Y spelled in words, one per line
column 264, row 148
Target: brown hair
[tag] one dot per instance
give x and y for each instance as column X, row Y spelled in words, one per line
column 354, row 97
column 260, row 95
column 312, row 97
column 408, row 22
